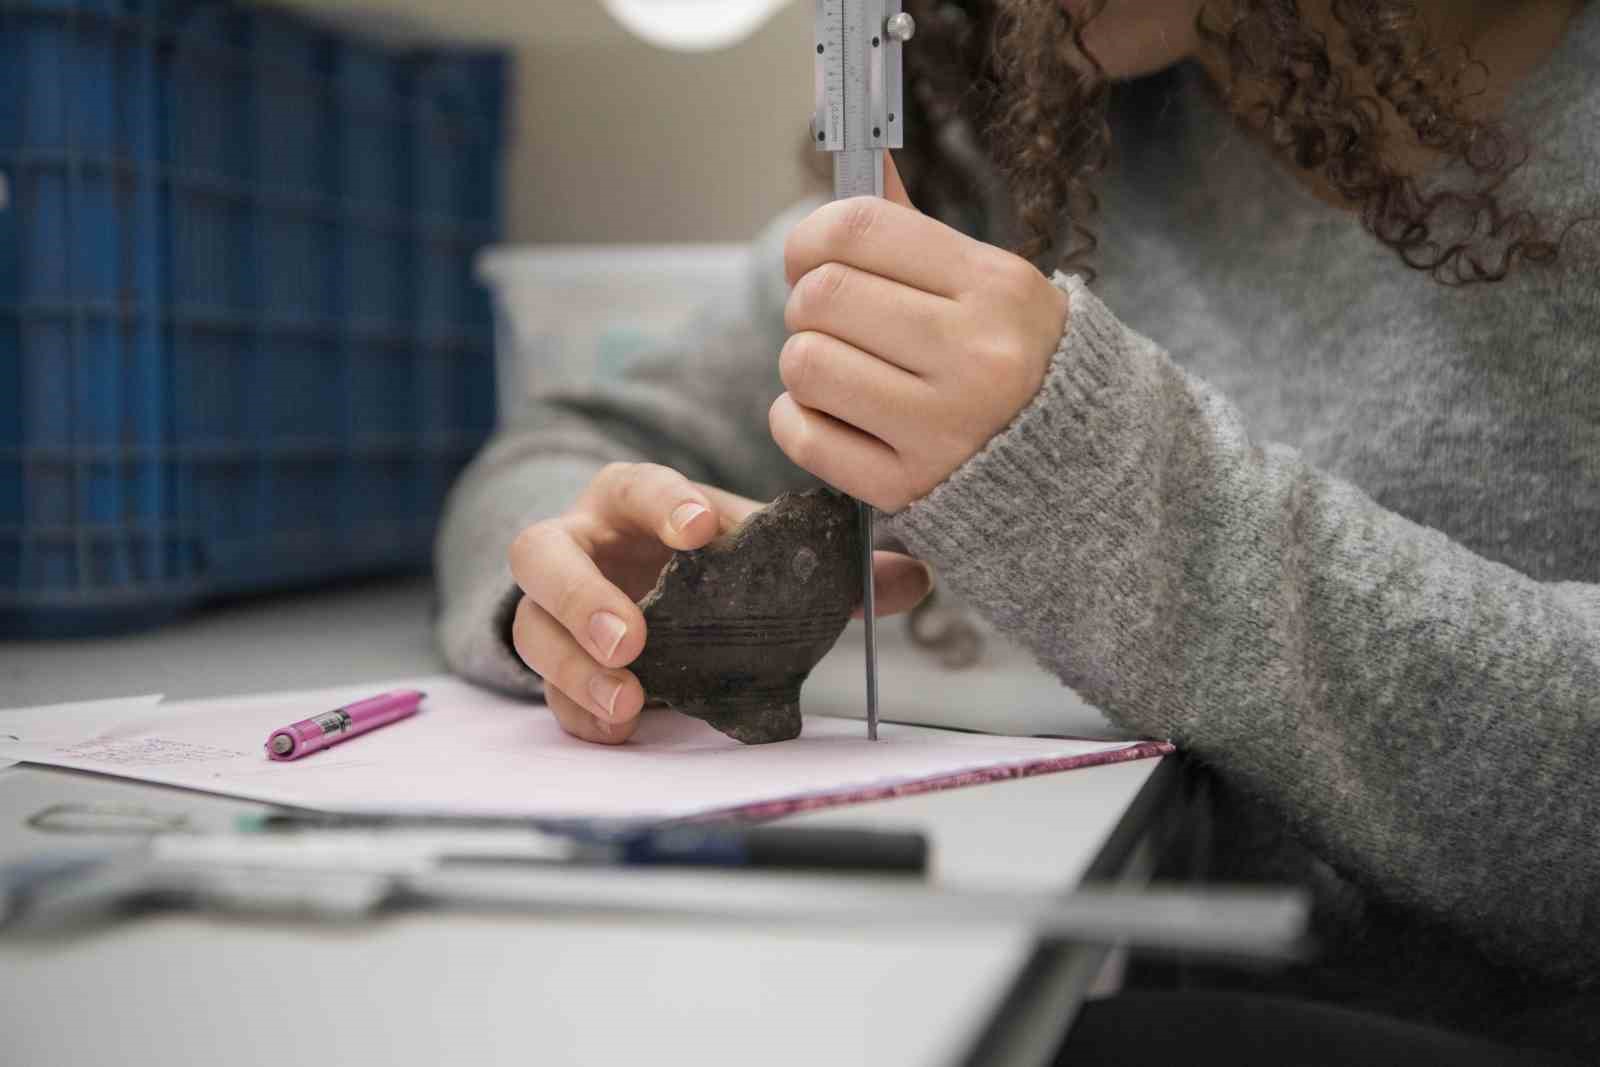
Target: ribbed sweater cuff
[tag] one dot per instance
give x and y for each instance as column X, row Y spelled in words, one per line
column 474, row 635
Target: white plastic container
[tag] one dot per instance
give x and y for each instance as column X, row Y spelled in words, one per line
column 575, row 314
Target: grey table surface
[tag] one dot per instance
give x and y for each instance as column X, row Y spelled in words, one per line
column 462, row 988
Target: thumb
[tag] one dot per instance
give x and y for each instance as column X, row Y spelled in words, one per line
column 894, row 189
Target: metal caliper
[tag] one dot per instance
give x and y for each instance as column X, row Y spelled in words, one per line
column 860, row 113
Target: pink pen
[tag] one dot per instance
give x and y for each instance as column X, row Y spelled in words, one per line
column 341, row 724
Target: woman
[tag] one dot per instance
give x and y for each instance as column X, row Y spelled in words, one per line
column 1307, row 483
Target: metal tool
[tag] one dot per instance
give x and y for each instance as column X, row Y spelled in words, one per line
column 350, row 877
column 833, row 849
column 860, row 113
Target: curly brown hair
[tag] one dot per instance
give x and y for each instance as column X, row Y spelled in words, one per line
column 1017, row 76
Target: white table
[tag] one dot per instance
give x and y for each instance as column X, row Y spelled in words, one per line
column 486, row 990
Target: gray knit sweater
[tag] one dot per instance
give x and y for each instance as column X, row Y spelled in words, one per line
column 1329, row 526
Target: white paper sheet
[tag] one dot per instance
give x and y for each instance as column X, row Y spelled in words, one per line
column 68, row 720
column 474, row 752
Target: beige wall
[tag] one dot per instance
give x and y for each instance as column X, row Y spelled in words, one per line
column 623, row 142
column 613, row 140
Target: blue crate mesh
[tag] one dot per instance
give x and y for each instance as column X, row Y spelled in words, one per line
column 240, row 343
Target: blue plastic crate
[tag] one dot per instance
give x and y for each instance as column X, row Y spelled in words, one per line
column 240, row 345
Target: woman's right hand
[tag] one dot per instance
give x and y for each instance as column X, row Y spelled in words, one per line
column 578, row 624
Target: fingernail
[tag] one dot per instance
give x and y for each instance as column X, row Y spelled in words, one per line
column 603, row 727
column 607, row 631
column 684, row 514
column 604, row 690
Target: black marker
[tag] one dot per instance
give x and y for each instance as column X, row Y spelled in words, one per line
column 830, row 849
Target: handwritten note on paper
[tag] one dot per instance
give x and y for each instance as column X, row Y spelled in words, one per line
column 473, row 752
column 145, row 752
column 63, row 720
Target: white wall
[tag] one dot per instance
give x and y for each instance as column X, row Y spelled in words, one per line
column 613, row 140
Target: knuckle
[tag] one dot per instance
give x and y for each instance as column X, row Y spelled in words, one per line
column 997, row 354
column 856, row 218
column 520, row 546
column 525, row 639
column 611, row 472
column 569, row 599
column 653, row 472
column 796, row 443
column 795, row 361
column 527, row 650
column 615, row 476
column 831, row 278
column 1015, row 275
column 625, row 490
column 651, row 479
column 818, row 288
column 567, row 714
column 519, row 626
column 640, row 489
column 797, row 448
column 532, row 542
column 1012, row 350
column 570, row 673
column 795, row 253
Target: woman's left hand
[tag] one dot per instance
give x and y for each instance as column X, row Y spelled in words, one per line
column 912, row 345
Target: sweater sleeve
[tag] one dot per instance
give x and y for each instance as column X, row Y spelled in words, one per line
column 1428, row 720
column 697, row 404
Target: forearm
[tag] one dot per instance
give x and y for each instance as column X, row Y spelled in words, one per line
column 1425, row 717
